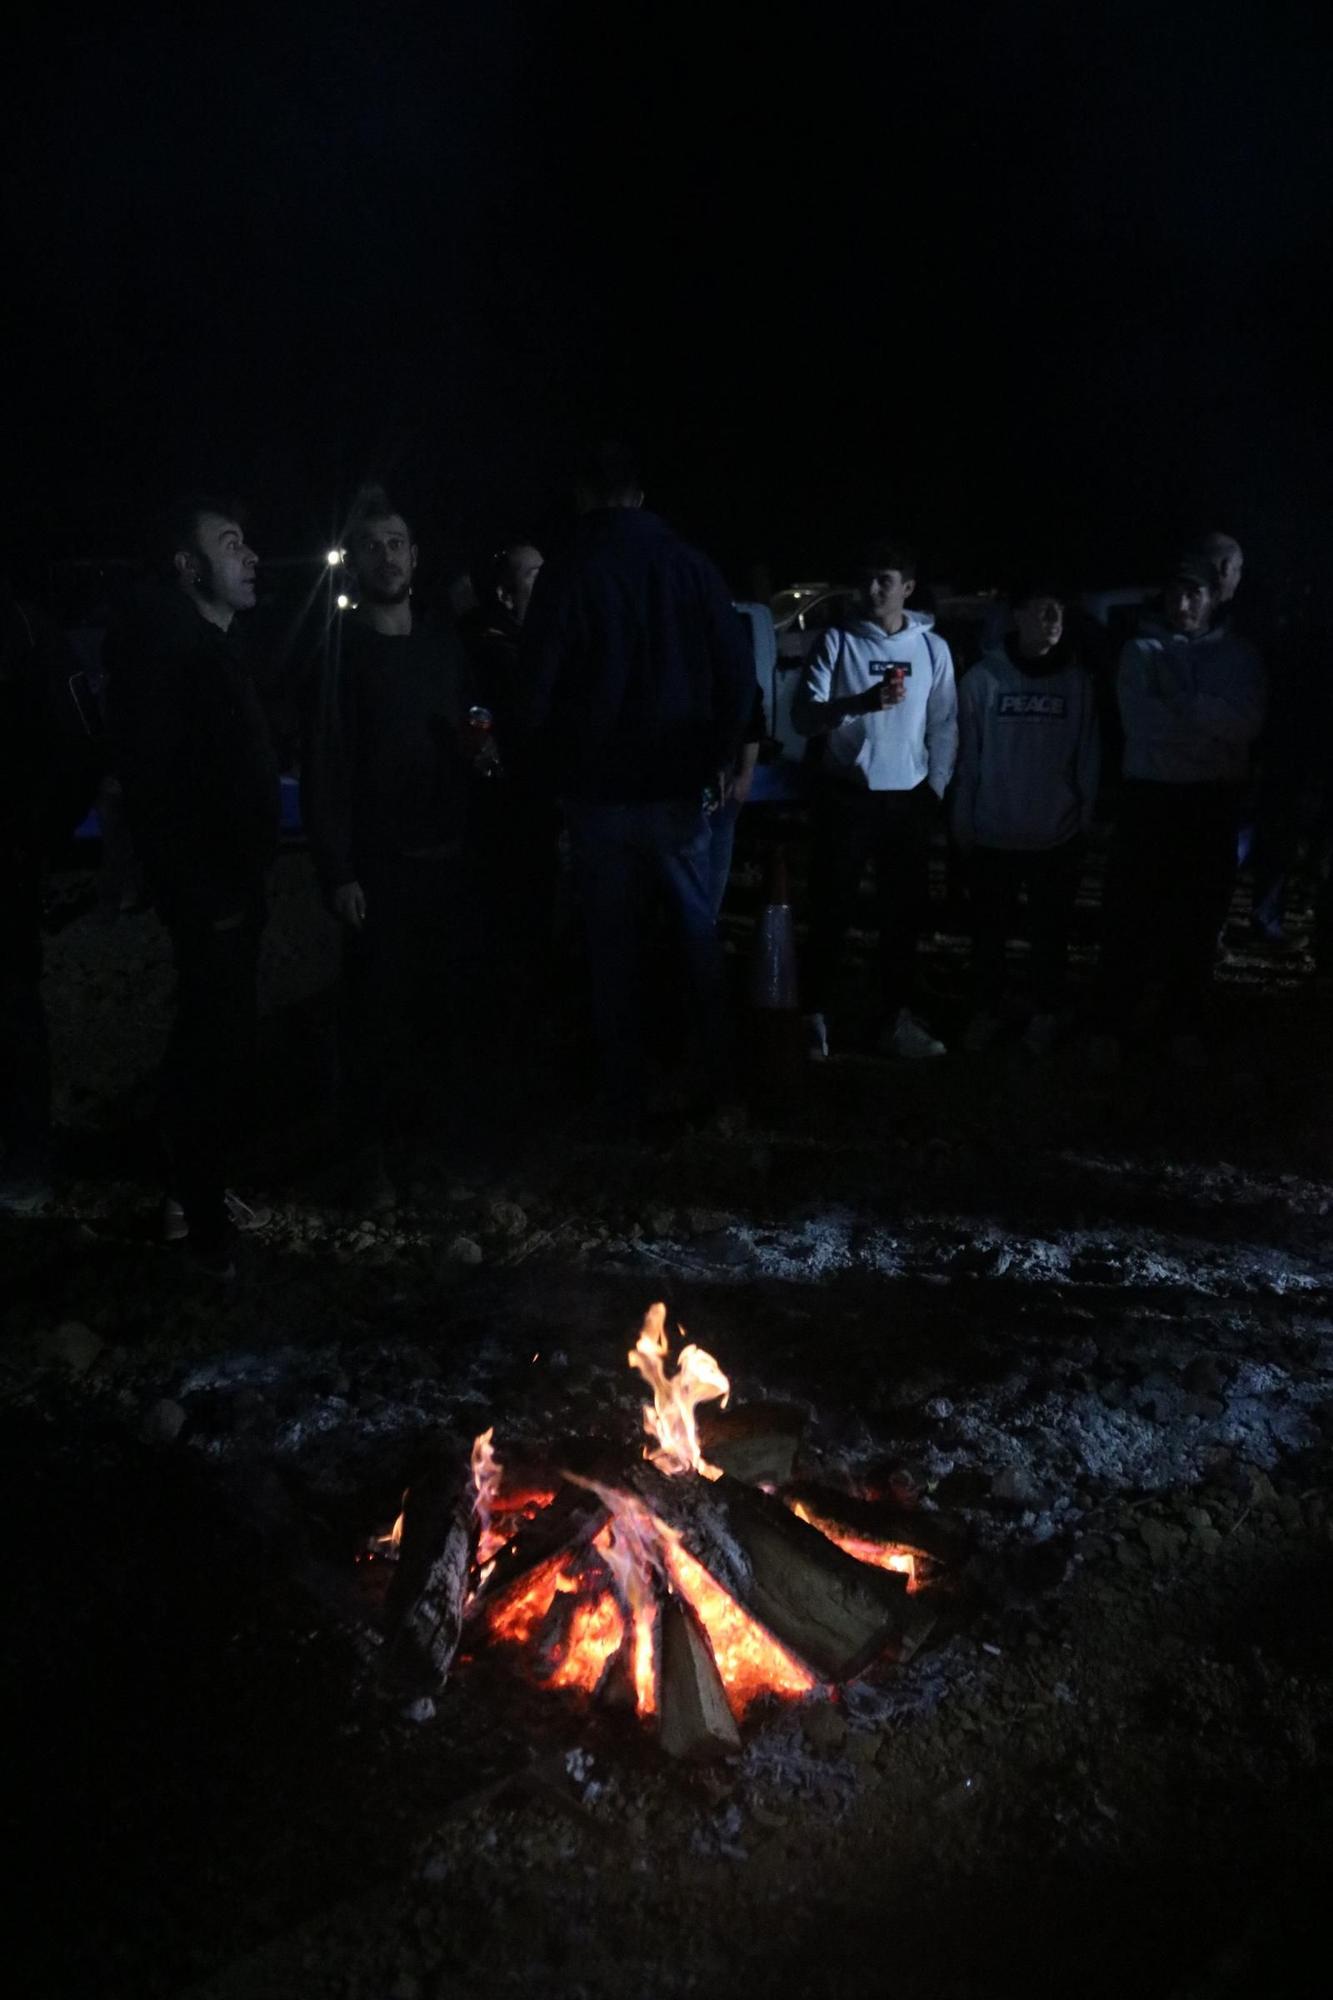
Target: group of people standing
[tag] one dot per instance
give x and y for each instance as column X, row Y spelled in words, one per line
column 607, row 698
column 1012, row 752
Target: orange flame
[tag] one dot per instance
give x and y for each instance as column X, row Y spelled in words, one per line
column 749, row 1659
column 487, row 1473
column 670, row 1419
column 882, row 1555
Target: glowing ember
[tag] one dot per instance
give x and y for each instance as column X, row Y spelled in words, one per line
column 750, row 1662
column 670, row 1420
column 881, row 1555
column 516, row 1617
column 595, row 1634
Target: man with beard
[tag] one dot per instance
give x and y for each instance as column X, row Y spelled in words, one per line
column 201, row 795
column 384, row 799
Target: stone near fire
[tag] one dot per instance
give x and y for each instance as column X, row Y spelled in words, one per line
column 72, row 1344
column 463, row 1250
column 164, row 1422
column 1014, row 1486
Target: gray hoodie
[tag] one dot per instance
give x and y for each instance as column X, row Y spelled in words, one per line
column 895, row 749
column 1029, row 755
column 1191, row 707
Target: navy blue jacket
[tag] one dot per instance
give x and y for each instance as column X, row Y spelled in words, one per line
column 637, row 675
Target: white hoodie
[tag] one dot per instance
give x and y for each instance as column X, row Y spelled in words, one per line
column 894, row 749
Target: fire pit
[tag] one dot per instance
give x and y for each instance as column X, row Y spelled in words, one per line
column 682, row 1584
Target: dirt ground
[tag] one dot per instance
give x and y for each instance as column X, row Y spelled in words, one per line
column 1084, row 1320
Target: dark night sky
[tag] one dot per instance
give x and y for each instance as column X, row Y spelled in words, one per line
column 1008, row 276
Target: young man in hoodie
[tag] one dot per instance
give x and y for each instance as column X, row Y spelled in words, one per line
column 880, row 693
column 1192, row 700
column 1023, row 799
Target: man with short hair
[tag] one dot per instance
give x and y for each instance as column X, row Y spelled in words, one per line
column 1022, row 803
column 879, row 692
column 384, row 799
column 638, row 685
column 1224, row 556
column 1192, row 700
column 201, row 795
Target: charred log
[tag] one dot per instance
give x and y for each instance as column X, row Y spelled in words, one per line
column 695, row 1722
column 426, row 1600
column 833, row 1612
column 570, row 1522
column 756, row 1442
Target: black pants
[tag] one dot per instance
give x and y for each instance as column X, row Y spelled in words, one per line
column 25, row 1055
column 1051, row 877
column 852, row 826
column 209, row 1073
column 399, row 987
column 1168, row 889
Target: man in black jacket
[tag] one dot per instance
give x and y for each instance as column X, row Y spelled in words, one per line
column 639, row 684
column 201, row 795
column 384, row 799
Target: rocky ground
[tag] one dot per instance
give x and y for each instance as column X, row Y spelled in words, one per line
column 1087, row 1321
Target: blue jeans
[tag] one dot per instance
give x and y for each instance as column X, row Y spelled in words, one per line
column 622, row 856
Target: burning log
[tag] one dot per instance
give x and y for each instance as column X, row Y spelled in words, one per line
column 426, row 1600
column 756, row 1443
column 695, row 1722
column 936, row 1533
column 571, row 1520
column 833, row 1612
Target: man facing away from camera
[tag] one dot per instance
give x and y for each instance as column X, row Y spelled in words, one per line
column 639, row 685
column 201, row 795
column 879, row 692
column 1023, row 799
column 384, row 797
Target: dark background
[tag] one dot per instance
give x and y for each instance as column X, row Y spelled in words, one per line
column 1033, row 281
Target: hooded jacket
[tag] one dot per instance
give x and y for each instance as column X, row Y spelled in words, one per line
column 1191, row 707
column 637, row 675
column 194, row 756
column 1029, row 754
column 895, row 749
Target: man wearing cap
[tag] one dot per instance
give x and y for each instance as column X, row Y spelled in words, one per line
column 1191, row 697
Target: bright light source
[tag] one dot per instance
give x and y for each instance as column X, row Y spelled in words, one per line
column 343, row 602
column 334, row 557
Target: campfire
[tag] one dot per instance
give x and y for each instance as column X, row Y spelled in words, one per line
column 682, row 1584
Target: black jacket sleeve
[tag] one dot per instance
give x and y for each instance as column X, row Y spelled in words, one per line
column 327, row 767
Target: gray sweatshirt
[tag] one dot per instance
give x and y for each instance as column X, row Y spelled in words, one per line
column 1029, row 756
column 896, row 748
column 1191, row 707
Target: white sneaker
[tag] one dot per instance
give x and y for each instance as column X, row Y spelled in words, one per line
column 1041, row 1034
column 175, row 1228
column 816, row 1032
column 981, row 1032
column 910, row 1039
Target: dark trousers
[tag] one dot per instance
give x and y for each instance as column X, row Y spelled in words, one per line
column 399, row 997
column 892, row 830
column 512, row 873
column 721, row 845
column 209, row 1073
column 1168, row 889
column 25, row 1054
column 627, row 860
column 997, row 877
